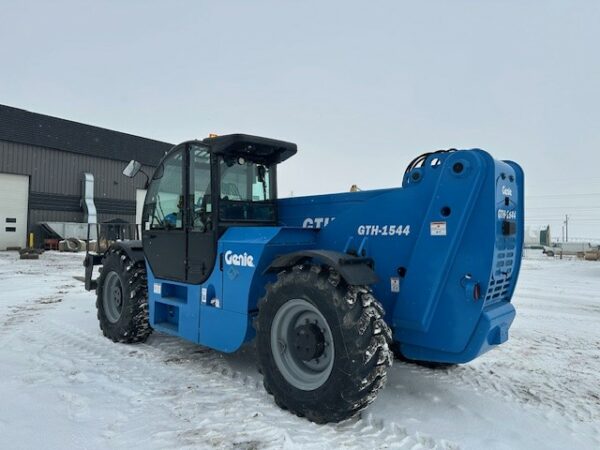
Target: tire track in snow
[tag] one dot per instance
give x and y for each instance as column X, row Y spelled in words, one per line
column 533, row 391
column 182, row 378
column 20, row 313
column 579, row 400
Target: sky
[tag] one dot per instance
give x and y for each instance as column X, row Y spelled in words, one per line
column 361, row 87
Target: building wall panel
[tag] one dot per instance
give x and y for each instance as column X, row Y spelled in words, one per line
column 59, row 172
column 55, row 183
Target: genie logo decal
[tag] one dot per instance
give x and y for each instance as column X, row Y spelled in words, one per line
column 243, row 260
column 506, row 191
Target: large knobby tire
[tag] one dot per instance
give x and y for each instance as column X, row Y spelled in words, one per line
column 323, row 347
column 122, row 298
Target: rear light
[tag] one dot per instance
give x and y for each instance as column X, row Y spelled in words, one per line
column 472, row 287
column 509, row 228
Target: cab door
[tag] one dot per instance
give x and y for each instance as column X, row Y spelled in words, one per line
column 164, row 219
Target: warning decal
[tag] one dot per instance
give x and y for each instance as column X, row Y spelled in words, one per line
column 395, row 284
column 438, row 228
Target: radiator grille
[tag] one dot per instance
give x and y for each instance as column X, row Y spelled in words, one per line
column 501, row 279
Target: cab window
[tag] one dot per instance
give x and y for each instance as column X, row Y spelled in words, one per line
column 164, row 202
column 246, row 191
column 200, row 188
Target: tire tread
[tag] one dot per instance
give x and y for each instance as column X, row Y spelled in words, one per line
column 366, row 341
column 137, row 329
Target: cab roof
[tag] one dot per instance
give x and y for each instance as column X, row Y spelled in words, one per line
column 254, row 148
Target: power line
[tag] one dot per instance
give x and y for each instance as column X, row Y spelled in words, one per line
column 574, row 194
column 554, row 206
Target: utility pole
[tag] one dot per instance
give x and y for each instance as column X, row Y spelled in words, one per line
column 566, row 228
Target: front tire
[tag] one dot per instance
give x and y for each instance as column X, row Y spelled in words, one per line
column 122, row 298
column 323, row 347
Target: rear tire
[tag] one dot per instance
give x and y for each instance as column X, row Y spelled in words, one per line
column 323, row 347
column 122, row 298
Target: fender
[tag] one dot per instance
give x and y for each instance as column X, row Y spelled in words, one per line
column 133, row 250
column 353, row 269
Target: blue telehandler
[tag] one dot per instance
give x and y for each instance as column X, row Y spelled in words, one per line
column 330, row 287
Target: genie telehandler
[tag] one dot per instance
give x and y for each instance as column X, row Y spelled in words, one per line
column 329, row 287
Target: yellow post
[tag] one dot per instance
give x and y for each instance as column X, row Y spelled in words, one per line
column 30, row 240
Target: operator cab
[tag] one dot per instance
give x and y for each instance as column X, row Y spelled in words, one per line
column 198, row 191
column 247, row 177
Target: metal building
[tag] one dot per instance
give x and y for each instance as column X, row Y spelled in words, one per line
column 44, row 164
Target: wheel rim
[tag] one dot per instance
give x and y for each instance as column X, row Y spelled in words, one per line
column 302, row 344
column 112, row 297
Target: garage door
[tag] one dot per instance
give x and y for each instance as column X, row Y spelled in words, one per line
column 14, row 194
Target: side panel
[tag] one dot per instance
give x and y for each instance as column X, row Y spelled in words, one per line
column 454, row 247
column 226, row 323
column 446, row 266
column 498, row 285
column 242, row 285
column 218, row 313
column 174, row 307
column 318, row 211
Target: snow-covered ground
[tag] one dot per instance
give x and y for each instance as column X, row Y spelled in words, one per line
column 64, row 386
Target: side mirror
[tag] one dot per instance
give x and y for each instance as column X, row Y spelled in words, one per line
column 132, row 168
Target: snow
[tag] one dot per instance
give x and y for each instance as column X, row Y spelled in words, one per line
column 63, row 385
